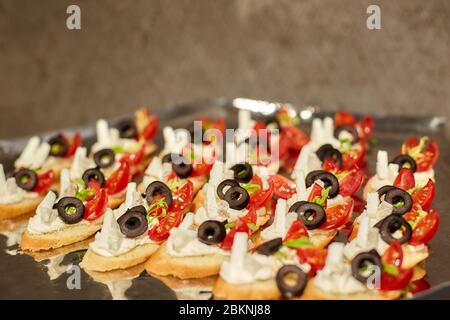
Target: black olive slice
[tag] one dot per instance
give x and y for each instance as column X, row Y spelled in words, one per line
column 243, row 172
column 58, row 146
column 183, row 170
column 391, row 224
column 291, row 281
column 270, row 247
column 133, row 222
column 211, row 232
column 328, row 179
column 237, row 198
column 94, row 174
column 365, row 260
column 310, row 214
column 403, row 159
column 350, row 129
column 26, row 179
column 158, row 188
column 397, row 195
column 223, row 185
column 127, row 129
column 104, row 158
column 323, row 150
column 70, row 209
column 383, row 190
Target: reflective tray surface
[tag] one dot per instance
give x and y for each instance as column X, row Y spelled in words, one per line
column 53, row 275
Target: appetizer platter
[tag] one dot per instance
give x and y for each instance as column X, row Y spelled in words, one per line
column 297, row 204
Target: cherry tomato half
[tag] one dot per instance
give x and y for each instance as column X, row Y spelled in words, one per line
column 283, row 187
column 426, row 228
column 120, row 178
column 74, row 144
column 426, row 159
column 354, row 157
column 350, row 185
column 314, row 257
column 296, row 231
column 425, row 196
column 45, row 181
column 260, row 198
column 161, row 231
column 241, row 226
column 182, row 197
column 405, row 179
column 337, row 215
column 344, row 118
column 95, row 207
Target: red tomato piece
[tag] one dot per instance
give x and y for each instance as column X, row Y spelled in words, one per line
column 314, row 257
column 419, row 286
column 359, row 204
column 161, row 231
column 365, row 128
column 260, row 198
column 337, row 215
column 73, row 145
column 150, row 129
column 354, row 158
column 241, row 226
column 316, row 191
column 283, row 187
column 427, row 157
column 296, row 231
column 425, row 196
column 342, row 118
column 405, row 179
column 182, row 197
column 293, row 137
column 95, row 207
column 201, row 169
column 119, row 180
column 397, row 282
column 45, row 181
column 351, row 183
column 393, row 255
column 425, row 229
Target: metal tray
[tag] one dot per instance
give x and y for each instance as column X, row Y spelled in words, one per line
column 25, row 278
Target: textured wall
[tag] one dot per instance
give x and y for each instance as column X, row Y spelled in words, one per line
column 165, row 52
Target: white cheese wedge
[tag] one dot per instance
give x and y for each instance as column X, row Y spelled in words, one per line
column 238, row 250
column 27, row 156
column 382, row 164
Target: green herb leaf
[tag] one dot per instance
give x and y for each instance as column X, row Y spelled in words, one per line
column 302, row 242
column 251, row 187
column 346, row 145
column 399, row 204
column 414, row 152
column 420, row 215
column 390, row 269
column 174, row 184
column 252, row 226
column 324, row 196
column 281, row 254
column 341, row 175
column 83, row 194
column 117, row 149
column 230, row 225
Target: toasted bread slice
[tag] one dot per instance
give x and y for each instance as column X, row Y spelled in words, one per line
column 313, row 293
column 69, row 235
column 116, row 200
column 8, row 225
column 47, row 254
column 95, row 262
column 259, row 290
column 115, row 275
column 162, row 264
column 8, row 211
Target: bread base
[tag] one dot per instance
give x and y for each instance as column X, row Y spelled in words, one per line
column 39, row 256
column 95, row 262
column 8, row 211
column 66, row 236
column 162, row 264
column 259, row 290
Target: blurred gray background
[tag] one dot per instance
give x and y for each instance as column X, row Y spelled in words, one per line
column 162, row 52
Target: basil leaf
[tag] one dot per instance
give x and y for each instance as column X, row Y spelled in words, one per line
column 302, row 242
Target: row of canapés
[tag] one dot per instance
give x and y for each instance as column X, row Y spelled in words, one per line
column 291, row 228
